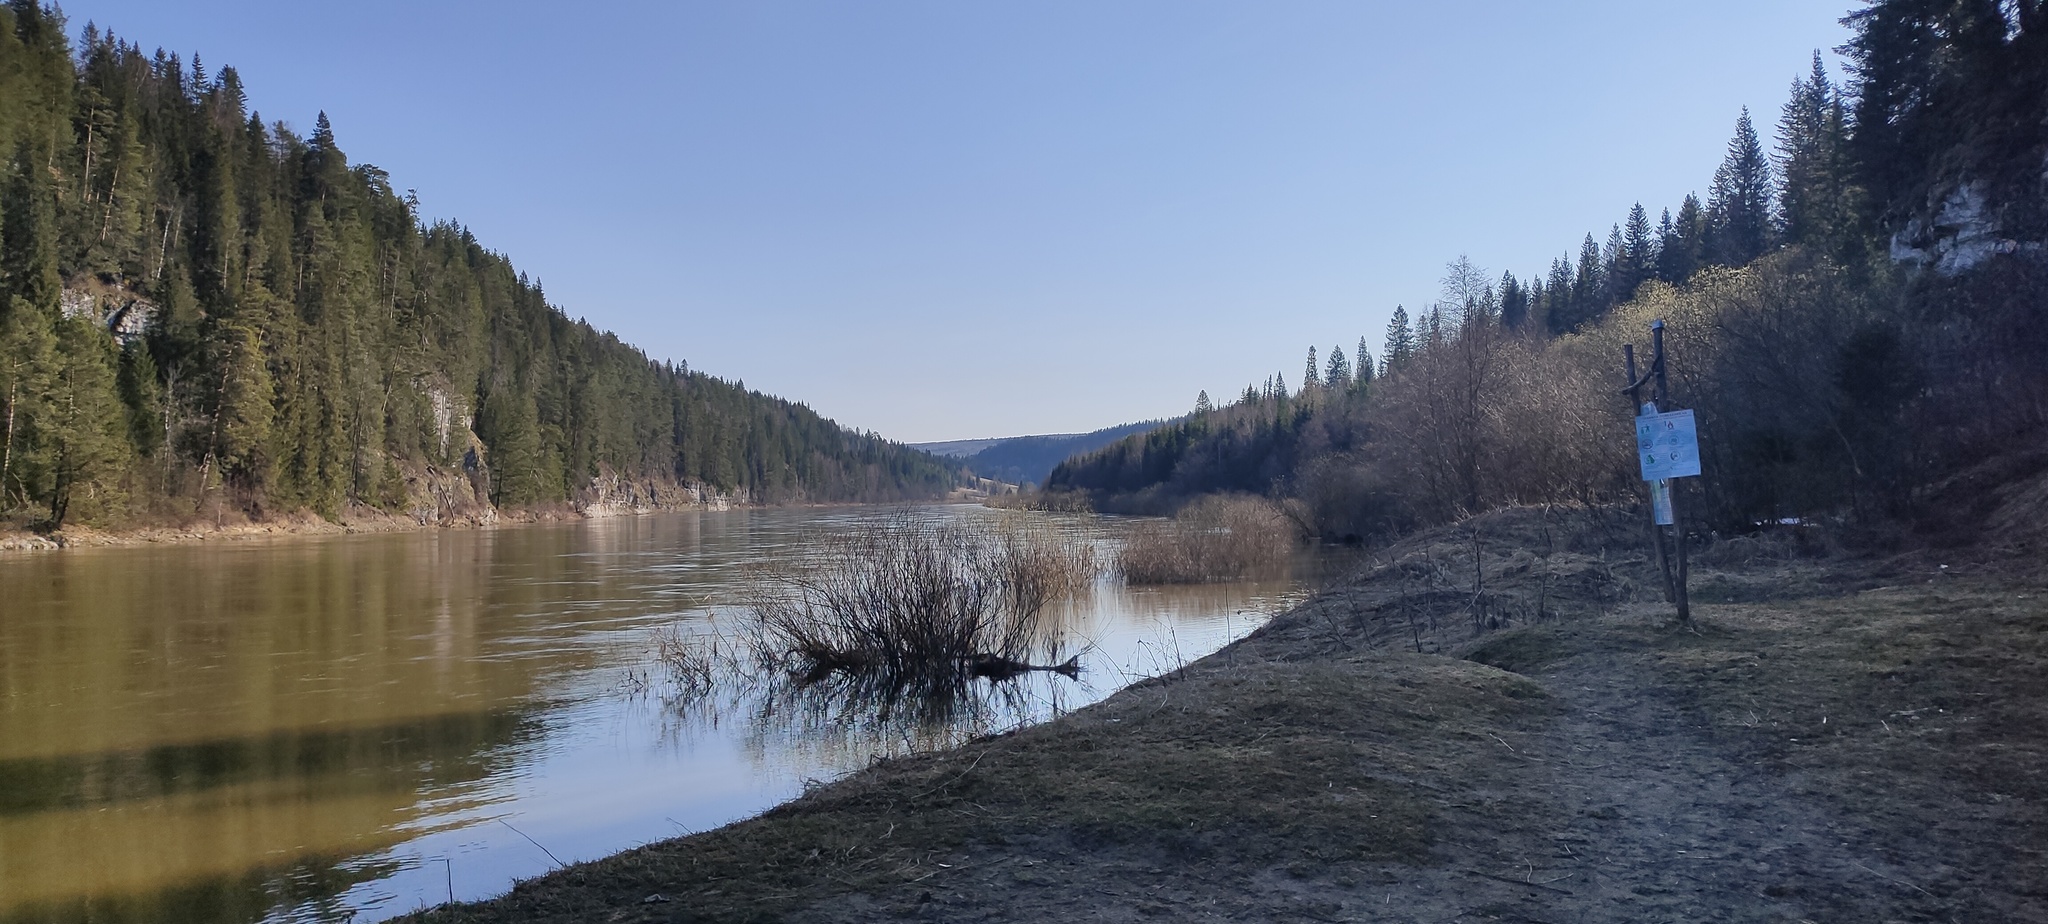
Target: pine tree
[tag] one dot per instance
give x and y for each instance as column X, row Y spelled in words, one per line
column 1638, row 253
column 1338, row 375
column 1613, row 272
column 1202, row 403
column 1900, row 92
column 1739, row 206
column 1816, row 197
column 1514, row 302
column 26, row 348
column 1580, row 294
column 243, row 419
column 1311, row 375
column 1681, row 250
column 1558, row 310
column 85, row 429
column 28, row 232
column 143, row 396
column 1400, row 343
column 1364, row 367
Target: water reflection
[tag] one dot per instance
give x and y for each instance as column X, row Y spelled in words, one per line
column 319, row 728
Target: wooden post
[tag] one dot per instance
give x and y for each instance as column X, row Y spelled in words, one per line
column 1672, row 564
column 1678, row 580
column 1635, row 406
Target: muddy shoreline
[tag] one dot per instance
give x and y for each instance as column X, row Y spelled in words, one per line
column 357, row 520
column 1840, row 739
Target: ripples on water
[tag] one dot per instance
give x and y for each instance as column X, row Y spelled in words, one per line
column 319, row 728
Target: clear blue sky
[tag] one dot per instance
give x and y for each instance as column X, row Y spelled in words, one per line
column 951, row 219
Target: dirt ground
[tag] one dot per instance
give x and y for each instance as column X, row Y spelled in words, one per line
column 1495, row 722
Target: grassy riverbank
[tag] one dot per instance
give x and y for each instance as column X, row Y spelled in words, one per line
column 1495, row 721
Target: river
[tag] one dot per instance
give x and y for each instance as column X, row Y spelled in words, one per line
column 353, row 727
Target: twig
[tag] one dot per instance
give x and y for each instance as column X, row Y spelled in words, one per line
column 1890, row 879
column 1533, row 885
column 530, row 840
column 956, row 778
column 954, row 869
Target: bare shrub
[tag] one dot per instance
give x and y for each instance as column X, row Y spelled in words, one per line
column 919, row 605
column 696, row 662
column 1056, row 501
column 1218, row 538
column 1344, row 498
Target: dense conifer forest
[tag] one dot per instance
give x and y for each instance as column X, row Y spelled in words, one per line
column 1858, row 314
column 197, row 307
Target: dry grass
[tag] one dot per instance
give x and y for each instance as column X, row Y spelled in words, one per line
column 1313, row 767
column 1920, row 708
column 1048, row 501
column 1213, row 539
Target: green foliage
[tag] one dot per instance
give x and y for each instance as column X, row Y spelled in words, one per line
column 85, row 430
column 1400, row 341
column 1739, row 208
column 306, row 340
column 242, row 422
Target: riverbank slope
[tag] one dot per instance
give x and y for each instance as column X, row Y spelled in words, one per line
column 1496, row 721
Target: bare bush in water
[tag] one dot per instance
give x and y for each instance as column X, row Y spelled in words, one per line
column 1214, row 539
column 920, row 604
column 698, row 661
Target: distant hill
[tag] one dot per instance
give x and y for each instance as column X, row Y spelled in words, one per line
column 1030, row 459
column 960, row 449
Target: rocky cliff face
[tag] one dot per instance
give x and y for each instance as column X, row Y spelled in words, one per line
column 1967, row 222
column 460, row 495
column 125, row 315
column 1960, row 229
column 611, row 494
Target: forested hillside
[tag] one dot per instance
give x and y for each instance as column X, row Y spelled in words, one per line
column 198, row 306
column 1858, row 314
column 1028, row 460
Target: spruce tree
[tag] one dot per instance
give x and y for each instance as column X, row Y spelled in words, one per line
column 1681, row 251
column 1816, row 198
column 143, row 396
column 28, row 232
column 1613, row 271
column 1514, row 302
column 26, row 366
column 1400, row 342
column 1638, row 254
column 243, row 419
column 1582, row 292
column 1311, row 375
column 1338, row 375
column 85, row 429
column 1739, row 206
column 1557, row 307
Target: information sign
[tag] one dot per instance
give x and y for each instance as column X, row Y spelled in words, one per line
column 1668, row 445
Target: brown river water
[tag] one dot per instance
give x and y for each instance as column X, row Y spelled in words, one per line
column 349, row 728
